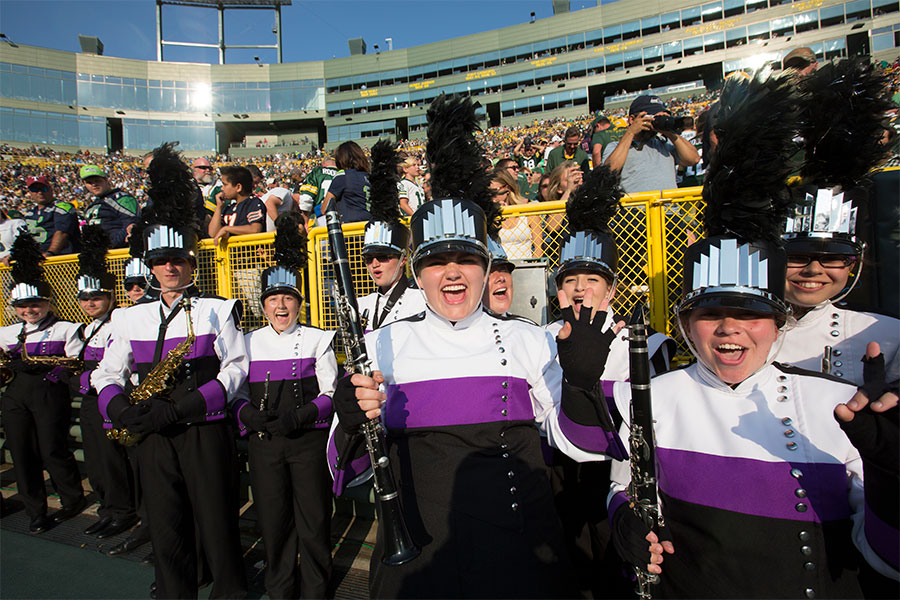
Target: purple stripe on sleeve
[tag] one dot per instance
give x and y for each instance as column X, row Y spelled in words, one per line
column 592, row 438
column 326, row 409
column 618, row 499
column 214, row 395
column 463, row 401
column 242, row 427
column 351, row 469
column 84, row 381
column 143, row 350
column 280, row 370
column 53, row 348
column 755, row 487
column 883, row 539
column 107, row 394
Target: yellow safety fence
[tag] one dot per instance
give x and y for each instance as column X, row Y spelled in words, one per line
column 651, row 230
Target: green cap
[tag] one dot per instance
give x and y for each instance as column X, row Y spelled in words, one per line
column 91, row 171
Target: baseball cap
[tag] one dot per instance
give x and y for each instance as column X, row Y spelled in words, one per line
column 91, row 171
column 556, row 138
column 647, row 104
column 798, row 58
column 270, row 180
column 31, row 180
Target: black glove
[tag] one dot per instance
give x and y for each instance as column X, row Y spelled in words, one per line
column 191, row 406
column 875, row 434
column 350, row 416
column 149, row 416
column 290, row 421
column 629, row 536
column 583, row 354
column 116, row 408
column 255, row 419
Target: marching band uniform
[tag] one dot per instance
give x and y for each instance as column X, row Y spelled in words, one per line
column 292, row 372
column 36, row 408
column 37, row 414
column 189, row 462
column 401, row 301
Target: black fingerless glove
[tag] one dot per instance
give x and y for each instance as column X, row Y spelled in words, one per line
column 629, row 533
column 253, row 418
column 116, row 408
column 190, row 406
column 149, row 417
column 291, row 421
column 583, row 354
column 350, row 415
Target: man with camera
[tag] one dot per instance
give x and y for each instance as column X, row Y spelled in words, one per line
column 651, row 148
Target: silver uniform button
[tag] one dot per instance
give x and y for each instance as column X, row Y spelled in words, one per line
column 838, row 374
column 782, row 398
column 503, row 361
column 800, row 493
column 796, row 473
column 513, row 490
column 804, row 536
column 782, row 378
column 786, row 421
column 835, row 333
column 511, row 474
column 835, row 324
column 801, row 507
column 501, row 349
column 806, row 550
column 809, row 566
column 781, row 389
column 838, row 363
column 792, row 445
column 504, row 412
column 506, row 455
column 789, row 433
column 810, row 593
column 837, row 352
column 514, row 506
column 835, row 315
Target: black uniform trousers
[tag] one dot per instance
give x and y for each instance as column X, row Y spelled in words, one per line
column 292, row 495
column 579, row 492
column 188, row 473
column 107, row 464
column 37, row 415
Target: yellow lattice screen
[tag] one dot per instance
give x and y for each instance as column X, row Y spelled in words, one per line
column 651, row 231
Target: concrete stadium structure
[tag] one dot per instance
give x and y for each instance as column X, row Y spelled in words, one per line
column 561, row 66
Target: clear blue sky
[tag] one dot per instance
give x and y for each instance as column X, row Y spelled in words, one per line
column 313, row 29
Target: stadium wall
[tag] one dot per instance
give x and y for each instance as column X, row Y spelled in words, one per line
column 561, row 66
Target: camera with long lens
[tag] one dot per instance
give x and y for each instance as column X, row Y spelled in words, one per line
column 663, row 122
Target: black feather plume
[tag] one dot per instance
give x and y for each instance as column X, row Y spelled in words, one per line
column 455, row 157
column 290, row 244
column 172, row 191
column 27, row 258
column 844, row 122
column 595, row 202
column 746, row 191
column 94, row 245
column 383, row 182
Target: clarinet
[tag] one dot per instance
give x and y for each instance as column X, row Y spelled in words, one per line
column 642, row 491
column 264, row 402
column 399, row 547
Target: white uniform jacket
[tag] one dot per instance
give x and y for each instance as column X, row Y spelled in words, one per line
column 847, row 332
column 457, row 383
column 301, row 368
column 49, row 341
column 760, row 488
column 371, row 306
column 216, row 365
column 96, row 336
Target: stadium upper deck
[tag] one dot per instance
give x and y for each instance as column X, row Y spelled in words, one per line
column 560, row 66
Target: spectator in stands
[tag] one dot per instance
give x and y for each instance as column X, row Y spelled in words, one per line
column 278, row 200
column 246, row 214
column 562, row 182
column 603, row 133
column 570, row 150
column 529, row 153
column 350, row 187
column 313, row 192
column 113, row 209
column 257, row 176
column 205, row 176
column 802, row 60
column 520, row 236
column 543, row 188
column 54, row 224
column 411, row 193
column 650, row 149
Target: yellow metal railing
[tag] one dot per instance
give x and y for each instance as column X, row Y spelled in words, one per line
column 651, row 231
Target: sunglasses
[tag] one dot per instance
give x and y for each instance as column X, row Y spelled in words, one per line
column 203, row 168
column 38, row 188
column 830, row 261
column 382, row 258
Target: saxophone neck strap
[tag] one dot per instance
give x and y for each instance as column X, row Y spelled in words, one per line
column 399, row 287
column 93, row 333
column 163, row 326
column 48, row 321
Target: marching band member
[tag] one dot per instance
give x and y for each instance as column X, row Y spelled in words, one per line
column 385, row 245
column 137, row 282
column 843, row 140
column 36, row 407
column 498, row 293
column 761, row 491
column 460, row 391
column 187, row 456
column 105, row 459
column 589, row 261
column 292, row 375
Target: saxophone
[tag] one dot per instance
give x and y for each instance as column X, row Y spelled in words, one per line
column 68, row 362
column 159, row 381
